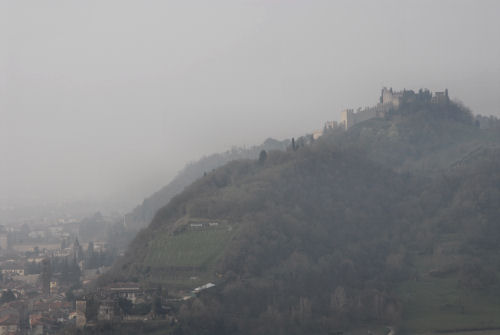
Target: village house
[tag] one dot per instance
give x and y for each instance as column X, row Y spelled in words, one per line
column 36, row 324
column 130, row 291
column 81, row 309
column 9, row 322
column 203, row 287
column 10, row 270
column 196, row 225
column 203, row 225
column 54, row 288
column 107, row 310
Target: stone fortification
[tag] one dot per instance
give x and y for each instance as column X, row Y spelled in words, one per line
column 389, row 100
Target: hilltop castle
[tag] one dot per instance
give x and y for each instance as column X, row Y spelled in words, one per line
column 390, row 100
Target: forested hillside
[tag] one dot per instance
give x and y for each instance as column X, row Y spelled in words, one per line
column 393, row 222
column 142, row 215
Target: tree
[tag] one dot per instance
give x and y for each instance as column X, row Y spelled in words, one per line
column 70, row 296
column 91, row 261
column 262, row 156
column 126, row 305
column 7, row 296
column 90, row 249
column 46, row 275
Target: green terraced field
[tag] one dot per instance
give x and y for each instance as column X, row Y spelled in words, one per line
column 188, row 249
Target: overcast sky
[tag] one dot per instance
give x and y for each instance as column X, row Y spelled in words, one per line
column 101, row 98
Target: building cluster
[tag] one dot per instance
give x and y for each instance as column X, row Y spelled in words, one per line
column 36, row 303
column 44, row 272
column 389, row 100
column 38, row 267
column 22, row 314
column 120, row 302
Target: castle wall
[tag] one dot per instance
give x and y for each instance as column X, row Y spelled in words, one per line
column 317, row 134
column 388, row 100
column 349, row 118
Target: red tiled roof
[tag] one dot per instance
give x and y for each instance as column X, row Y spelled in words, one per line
column 9, row 319
column 36, row 319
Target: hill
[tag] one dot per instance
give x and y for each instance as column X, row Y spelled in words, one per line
column 120, row 233
column 142, row 215
column 394, row 221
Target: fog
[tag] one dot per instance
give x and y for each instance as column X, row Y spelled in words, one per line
column 109, row 99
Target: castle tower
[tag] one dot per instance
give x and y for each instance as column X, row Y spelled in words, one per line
column 347, row 118
column 390, row 97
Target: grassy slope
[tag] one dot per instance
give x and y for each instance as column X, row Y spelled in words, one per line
column 198, row 249
column 189, row 256
column 441, row 304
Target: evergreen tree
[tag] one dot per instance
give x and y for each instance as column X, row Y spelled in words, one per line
column 7, row 296
column 262, row 156
column 46, row 275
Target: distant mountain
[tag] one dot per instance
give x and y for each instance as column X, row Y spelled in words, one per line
column 392, row 222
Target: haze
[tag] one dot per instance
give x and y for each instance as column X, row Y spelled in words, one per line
column 103, row 99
